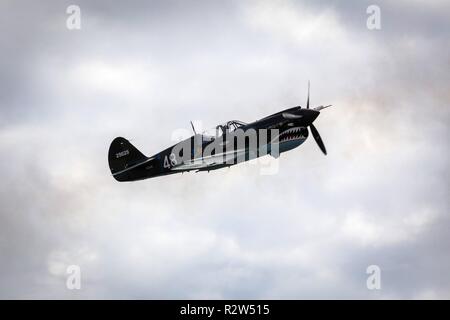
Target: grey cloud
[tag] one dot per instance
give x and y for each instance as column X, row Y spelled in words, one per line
column 143, row 69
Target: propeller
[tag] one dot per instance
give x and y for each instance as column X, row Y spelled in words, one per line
column 314, row 131
column 307, row 101
column 322, row 107
column 318, row 139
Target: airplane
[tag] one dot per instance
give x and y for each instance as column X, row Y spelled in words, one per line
column 234, row 142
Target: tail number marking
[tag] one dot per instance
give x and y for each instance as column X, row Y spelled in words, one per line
column 122, row 154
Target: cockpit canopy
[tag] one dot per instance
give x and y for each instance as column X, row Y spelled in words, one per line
column 221, row 129
column 229, row 126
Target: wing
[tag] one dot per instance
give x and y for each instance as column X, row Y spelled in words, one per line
column 216, row 160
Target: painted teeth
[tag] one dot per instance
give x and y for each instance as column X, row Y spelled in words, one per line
column 291, row 134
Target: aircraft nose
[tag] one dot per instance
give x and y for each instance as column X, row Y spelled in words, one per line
column 311, row 115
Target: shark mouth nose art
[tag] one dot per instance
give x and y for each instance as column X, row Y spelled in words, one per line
column 291, row 134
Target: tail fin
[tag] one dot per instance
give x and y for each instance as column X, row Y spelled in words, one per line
column 122, row 155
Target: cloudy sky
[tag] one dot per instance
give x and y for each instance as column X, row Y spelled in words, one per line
column 143, row 69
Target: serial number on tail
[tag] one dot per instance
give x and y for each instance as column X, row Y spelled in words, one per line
column 122, row 154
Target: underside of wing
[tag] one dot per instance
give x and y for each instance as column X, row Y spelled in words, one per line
column 210, row 162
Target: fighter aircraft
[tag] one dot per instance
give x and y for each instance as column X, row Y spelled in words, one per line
column 234, row 142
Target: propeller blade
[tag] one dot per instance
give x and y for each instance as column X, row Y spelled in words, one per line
column 318, row 139
column 307, row 101
column 322, row 107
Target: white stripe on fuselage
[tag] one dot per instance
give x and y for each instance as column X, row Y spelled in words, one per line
column 132, row 167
